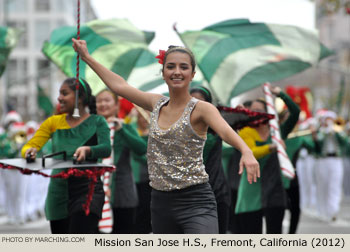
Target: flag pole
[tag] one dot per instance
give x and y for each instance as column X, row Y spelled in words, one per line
column 285, row 163
column 143, row 113
column 76, row 109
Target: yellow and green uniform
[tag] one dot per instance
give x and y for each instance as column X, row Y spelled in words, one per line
column 268, row 191
column 65, row 196
column 249, row 195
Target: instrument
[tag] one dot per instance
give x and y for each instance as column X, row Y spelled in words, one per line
column 20, row 137
column 299, row 133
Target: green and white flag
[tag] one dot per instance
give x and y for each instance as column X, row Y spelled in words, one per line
column 115, row 43
column 8, row 40
column 236, row 55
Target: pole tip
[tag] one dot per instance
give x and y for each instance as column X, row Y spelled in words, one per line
column 76, row 113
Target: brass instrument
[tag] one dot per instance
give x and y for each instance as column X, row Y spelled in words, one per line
column 299, row 133
column 339, row 124
column 20, row 137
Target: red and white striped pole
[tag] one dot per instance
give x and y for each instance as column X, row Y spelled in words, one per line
column 285, row 163
column 105, row 225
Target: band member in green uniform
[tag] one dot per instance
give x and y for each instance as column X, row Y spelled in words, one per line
column 86, row 138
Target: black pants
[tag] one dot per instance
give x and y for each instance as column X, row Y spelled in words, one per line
column 233, row 225
column 59, row 226
column 77, row 223
column 143, row 211
column 252, row 222
column 123, row 220
column 293, row 206
column 274, row 219
column 223, row 217
column 187, row 211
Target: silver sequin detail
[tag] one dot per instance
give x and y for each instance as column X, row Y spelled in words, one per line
column 175, row 155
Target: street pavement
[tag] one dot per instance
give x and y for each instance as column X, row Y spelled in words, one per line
column 309, row 224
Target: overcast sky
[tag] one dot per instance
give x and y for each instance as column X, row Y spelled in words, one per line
column 160, row 15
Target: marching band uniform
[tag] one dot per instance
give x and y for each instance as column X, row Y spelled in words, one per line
column 212, row 160
column 140, row 171
column 124, row 198
column 66, row 196
column 294, row 147
column 267, row 197
column 329, row 172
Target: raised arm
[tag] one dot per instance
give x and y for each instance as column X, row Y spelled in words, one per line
column 214, row 120
column 115, row 82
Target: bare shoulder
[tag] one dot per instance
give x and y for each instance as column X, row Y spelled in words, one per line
column 146, row 100
column 203, row 108
column 203, row 111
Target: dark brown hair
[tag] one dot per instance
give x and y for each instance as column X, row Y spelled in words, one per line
column 181, row 49
column 84, row 93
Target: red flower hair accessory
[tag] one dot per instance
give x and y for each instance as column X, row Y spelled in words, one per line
column 161, row 56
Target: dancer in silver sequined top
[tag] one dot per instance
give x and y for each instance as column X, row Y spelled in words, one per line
column 176, row 157
column 183, row 202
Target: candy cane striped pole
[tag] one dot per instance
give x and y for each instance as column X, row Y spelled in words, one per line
column 285, row 163
column 105, row 224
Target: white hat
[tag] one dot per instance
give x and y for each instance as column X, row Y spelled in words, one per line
column 330, row 114
column 16, row 128
column 32, row 125
column 11, row 116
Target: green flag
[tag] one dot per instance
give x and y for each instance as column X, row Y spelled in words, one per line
column 115, row 43
column 8, row 40
column 44, row 102
column 237, row 55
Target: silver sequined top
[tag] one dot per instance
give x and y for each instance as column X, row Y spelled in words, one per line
column 175, row 155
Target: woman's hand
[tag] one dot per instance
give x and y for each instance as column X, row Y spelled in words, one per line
column 252, row 166
column 117, row 121
column 81, row 48
column 275, row 90
column 272, row 148
column 31, row 153
column 82, row 152
column 108, row 193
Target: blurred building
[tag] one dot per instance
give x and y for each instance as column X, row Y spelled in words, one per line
column 333, row 23
column 27, row 67
column 330, row 80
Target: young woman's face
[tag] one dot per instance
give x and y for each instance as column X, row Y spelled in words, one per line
column 106, row 104
column 178, row 70
column 66, row 99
